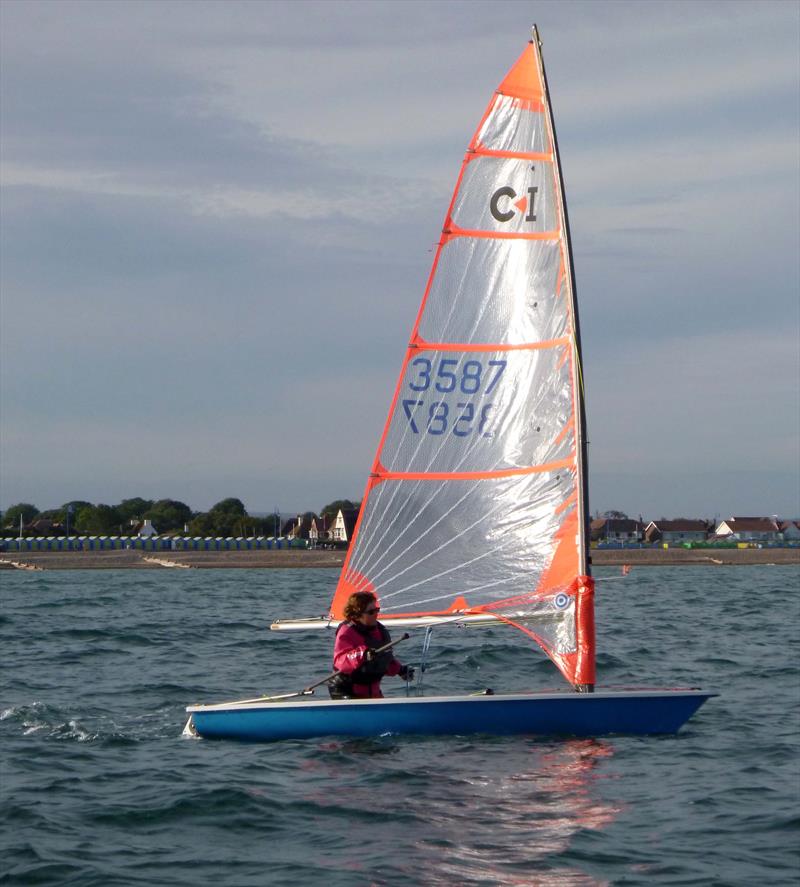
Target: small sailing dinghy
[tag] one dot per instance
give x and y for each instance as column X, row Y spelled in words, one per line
column 476, row 507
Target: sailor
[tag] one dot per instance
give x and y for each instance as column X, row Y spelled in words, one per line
column 360, row 667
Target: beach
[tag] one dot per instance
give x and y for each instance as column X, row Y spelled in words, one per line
column 300, row 559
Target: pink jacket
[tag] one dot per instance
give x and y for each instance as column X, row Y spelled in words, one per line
column 348, row 653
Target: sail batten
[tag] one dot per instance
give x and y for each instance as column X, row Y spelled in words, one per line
column 476, row 501
column 472, row 475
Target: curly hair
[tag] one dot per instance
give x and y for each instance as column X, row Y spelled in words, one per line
column 357, row 603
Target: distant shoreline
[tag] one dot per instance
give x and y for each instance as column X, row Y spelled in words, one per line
column 300, row 559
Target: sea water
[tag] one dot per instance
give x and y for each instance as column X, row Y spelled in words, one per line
column 100, row 788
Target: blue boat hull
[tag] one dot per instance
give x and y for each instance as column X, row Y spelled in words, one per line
column 637, row 712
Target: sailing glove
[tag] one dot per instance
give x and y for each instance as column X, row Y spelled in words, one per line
column 406, row 672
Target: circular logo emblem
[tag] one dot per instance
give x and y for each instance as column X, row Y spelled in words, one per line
column 562, row 600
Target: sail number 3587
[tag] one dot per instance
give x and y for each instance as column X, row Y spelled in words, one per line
column 446, row 377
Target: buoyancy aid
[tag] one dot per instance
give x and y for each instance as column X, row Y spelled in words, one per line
column 369, row 671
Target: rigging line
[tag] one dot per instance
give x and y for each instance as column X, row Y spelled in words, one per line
column 364, row 536
column 399, row 446
column 380, row 556
column 444, row 544
column 377, row 523
column 423, row 664
column 367, row 543
column 447, row 596
column 424, row 532
column 435, row 551
column 396, row 491
column 460, row 566
column 438, row 489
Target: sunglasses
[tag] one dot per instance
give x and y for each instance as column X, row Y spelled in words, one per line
column 372, row 611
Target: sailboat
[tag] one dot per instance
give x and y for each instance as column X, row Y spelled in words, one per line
column 476, row 507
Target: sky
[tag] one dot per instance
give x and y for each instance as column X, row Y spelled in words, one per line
column 217, row 220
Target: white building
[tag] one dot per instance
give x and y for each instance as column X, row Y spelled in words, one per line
column 749, row 529
column 790, row 530
column 147, row 529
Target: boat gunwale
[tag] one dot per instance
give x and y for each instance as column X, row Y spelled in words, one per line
column 533, row 695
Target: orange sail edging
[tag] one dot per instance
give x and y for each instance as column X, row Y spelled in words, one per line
column 477, row 475
column 481, row 151
column 565, row 562
column 452, row 230
column 423, row 345
column 524, row 80
column 585, row 634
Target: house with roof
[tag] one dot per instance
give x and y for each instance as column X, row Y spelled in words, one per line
column 343, row 525
column 44, row 526
column 676, row 531
column 748, row 529
column 143, row 529
column 789, row 530
column 305, row 526
column 612, row 529
column 318, row 530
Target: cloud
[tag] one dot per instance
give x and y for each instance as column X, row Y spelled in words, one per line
column 216, row 229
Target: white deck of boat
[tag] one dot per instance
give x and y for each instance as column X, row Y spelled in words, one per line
column 249, row 704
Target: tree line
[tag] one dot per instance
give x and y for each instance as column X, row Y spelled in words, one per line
column 228, row 517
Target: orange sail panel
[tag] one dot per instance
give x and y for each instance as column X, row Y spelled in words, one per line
column 476, row 500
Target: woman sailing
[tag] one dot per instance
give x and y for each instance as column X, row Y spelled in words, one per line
column 355, row 655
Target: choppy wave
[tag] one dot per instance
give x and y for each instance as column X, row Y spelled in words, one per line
column 101, row 789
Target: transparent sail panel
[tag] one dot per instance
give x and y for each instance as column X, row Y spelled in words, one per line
column 461, row 411
column 551, row 616
column 423, row 544
column 508, row 196
column 515, row 125
column 496, row 291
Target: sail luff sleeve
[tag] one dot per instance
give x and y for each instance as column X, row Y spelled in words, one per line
column 583, row 461
column 584, row 677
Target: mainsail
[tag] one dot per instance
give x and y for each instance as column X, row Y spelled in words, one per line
column 477, row 498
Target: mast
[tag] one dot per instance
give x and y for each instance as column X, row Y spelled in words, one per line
column 582, row 454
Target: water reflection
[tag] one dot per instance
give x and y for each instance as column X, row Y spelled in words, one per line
column 510, row 823
column 499, row 812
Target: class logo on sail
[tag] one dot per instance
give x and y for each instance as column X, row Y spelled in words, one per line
column 506, row 203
